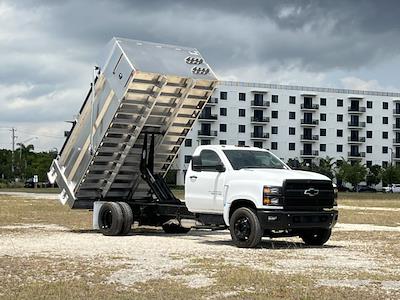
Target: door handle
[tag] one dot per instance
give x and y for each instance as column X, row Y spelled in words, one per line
column 193, row 177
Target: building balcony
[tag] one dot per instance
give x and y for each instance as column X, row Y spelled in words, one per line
column 212, row 101
column 309, row 138
column 305, row 106
column 396, row 126
column 396, row 158
column 208, row 117
column 260, row 104
column 312, row 153
column 356, row 124
column 396, row 111
column 207, row 133
column 357, row 110
column 257, row 135
column 356, row 140
column 355, row 155
column 396, row 141
column 259, row 119
column 309, row 122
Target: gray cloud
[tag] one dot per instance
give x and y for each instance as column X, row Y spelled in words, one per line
column 48, row 47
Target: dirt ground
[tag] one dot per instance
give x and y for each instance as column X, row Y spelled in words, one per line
column 50, row 252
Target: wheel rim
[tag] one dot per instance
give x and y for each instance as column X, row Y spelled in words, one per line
column 242, row 228
column 106, row 219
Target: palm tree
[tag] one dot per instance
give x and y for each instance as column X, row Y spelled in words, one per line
column 24, row 152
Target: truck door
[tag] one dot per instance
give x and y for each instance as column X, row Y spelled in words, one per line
column 204, row 188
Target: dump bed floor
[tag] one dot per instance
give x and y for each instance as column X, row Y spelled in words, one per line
column 142, row 88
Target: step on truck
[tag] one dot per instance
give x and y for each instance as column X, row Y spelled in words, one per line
column 142, row 102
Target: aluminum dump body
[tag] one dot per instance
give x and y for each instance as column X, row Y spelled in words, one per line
column 141, row 88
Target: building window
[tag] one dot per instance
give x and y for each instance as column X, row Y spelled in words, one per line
column 292, row 130
column 292, row 146
column 274, row 130
column 339, row 132
column 322, row 132
column 222, row 142
column 339, row 118
column 384, row 164
column 242, row 112
column 242, row 128
column 274, row 145
column 369, row 149
column 369, row 104
column 339, row 102
column 205, row 142
column 385, row 105
column 292, row 100
column 188, row 143
column 242, row 96
column 274, row 99
column 258, row 144
column 241, row 143
column 322, row 117
column 223, row 111
column 385, row 120
column 223, row 95
column 369, row 163
column 369, row 119
column 292, row 115
column 339, row 148
column 322, row 147
column 188, row 158
column 385, row 135
column 222, row 127
column 274, row 114
column 369, row 134
column 384, row 149
column 322, row 101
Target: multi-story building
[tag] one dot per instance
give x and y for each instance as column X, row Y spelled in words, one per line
column 299, row 122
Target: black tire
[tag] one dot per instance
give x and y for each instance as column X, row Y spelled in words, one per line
column 175, row 229
column 245, row 228
column 316, row 237
column 128, row 218
column 110, row 218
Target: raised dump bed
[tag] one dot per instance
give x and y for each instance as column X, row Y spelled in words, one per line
column 142, row 89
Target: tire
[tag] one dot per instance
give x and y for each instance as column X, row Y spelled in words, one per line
column 127, row 216
column 110, row 218
column 245, row 228
column 175, row 229
column 316, row 237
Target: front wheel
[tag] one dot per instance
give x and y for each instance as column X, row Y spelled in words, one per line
column 316, row 237
column 245, row 228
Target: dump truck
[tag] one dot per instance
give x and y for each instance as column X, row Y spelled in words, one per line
column 143, row 101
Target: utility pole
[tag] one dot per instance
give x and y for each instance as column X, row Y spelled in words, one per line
column 13, row 138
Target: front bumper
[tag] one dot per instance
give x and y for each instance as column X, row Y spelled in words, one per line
column 280, row 220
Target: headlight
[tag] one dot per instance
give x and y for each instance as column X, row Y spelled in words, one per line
column 271, row 195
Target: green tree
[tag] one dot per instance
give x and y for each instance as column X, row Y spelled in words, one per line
column 352, row 173
column 325, row 167
column 374, row 175
column 391, row 174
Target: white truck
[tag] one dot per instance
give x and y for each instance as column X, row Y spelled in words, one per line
column 143, row 101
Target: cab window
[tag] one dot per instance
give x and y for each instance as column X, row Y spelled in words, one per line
column 209, row 159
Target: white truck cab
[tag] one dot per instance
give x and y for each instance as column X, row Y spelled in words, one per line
column 256, row 194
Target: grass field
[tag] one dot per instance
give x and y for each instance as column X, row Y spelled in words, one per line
column 49, row 252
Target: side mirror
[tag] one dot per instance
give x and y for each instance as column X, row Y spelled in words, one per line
column 220, row 168
column 196, row 163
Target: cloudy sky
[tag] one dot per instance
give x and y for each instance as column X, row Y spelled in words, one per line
column 48, row 48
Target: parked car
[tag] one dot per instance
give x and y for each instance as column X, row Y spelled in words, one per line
column 29, row 183
column 392, row 188
column 366, row 188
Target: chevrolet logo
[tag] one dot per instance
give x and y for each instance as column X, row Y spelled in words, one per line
column 311, row 192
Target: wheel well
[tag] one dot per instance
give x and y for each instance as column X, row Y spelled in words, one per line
column 241, row 203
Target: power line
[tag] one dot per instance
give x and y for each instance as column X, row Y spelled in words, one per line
column 42, row 135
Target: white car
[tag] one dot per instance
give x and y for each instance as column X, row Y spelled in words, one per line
column 392, row 188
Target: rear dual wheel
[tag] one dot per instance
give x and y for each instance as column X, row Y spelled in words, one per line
column 115, row 218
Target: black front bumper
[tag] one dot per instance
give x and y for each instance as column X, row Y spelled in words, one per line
column 280, row 220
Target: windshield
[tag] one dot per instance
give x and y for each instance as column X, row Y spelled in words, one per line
column 252, row 159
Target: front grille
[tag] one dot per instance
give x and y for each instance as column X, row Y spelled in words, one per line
column 320, row 194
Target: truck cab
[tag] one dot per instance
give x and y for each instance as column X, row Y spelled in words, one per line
column 255, row 194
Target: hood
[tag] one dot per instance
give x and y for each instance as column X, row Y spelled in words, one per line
column 275, row 177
